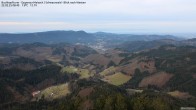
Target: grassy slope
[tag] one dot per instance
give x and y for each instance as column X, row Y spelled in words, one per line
column 108, row 70
column 84, row 73
column 54, row 92
column 117, row 79
column 69, row 69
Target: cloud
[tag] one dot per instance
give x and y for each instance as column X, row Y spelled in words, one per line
column 100, row 15
column 114, row 26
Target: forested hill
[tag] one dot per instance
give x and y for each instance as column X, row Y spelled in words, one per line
column 69, row 77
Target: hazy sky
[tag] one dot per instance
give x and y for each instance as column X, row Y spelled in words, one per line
column 118, row 16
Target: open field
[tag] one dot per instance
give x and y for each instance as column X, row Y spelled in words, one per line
column 84, row 73
column 108, row 71
column 117, row 79
column 181, row 95
column 158, row 79
column 54, row 92
column 69, row 69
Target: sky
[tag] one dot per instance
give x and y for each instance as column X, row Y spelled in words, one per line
column 116, row 16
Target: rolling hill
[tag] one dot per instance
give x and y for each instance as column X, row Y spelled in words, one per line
column 150, row 74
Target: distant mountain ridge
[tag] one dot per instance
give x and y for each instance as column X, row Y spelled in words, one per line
column 134, row 46
column 47, row 37
column 77, row 37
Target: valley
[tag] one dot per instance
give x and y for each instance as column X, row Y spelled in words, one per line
column 99, row 71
